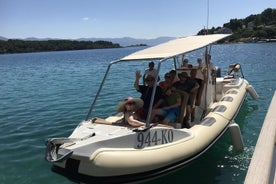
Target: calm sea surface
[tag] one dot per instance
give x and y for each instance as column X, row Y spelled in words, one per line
column 47, row 94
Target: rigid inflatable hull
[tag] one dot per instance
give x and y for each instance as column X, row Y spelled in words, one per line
column 109, row 165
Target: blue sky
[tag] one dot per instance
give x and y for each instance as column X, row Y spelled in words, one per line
column 71, row 19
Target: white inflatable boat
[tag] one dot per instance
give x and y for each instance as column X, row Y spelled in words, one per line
column 102, row 153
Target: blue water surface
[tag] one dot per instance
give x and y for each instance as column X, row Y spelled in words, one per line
column 47, row 94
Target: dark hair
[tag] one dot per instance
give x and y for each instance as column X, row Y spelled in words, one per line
column 151, row 63
column 173, row 71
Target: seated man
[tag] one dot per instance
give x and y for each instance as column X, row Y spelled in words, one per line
column 181, row 87
column 186, row 88
column 173, row 76
column 171, row 106
column 193, row 94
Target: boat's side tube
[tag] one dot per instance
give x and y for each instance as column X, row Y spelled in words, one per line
column 100, row 88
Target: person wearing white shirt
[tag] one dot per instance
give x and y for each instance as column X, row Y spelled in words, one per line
column 150, row 71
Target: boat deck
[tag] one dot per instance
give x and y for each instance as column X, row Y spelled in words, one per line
column 262, row 168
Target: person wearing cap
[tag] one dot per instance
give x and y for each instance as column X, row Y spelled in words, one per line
column 182, row 85
column 146, row 93
column 150, row 71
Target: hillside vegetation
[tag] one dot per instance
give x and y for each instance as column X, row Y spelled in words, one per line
column 20, row 46
column 260, row 27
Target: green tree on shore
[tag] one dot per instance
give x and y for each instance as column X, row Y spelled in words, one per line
column 22, row 46
column 252, row 28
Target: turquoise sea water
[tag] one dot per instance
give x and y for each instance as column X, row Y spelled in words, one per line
column 47, row 94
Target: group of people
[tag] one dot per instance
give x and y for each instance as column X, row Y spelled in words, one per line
column 175, row 97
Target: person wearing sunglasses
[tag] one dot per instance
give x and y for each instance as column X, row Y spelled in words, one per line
column 129, row 107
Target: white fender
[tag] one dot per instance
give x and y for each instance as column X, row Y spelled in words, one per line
column 236, row 136
column 252, row 92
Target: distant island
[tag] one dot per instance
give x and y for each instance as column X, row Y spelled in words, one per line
column 254, row 28
column 138, row 45
column 22, row 46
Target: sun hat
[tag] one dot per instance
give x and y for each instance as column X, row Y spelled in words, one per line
column 138, row 103
column 183, row 74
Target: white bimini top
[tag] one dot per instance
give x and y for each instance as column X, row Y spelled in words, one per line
column 175, row 47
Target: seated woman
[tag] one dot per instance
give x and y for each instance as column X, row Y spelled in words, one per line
column 128, row 107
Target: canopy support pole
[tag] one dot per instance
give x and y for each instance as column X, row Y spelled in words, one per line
column 154, row 91
column 100, row 88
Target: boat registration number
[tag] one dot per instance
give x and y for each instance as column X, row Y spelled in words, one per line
column 153, row 138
